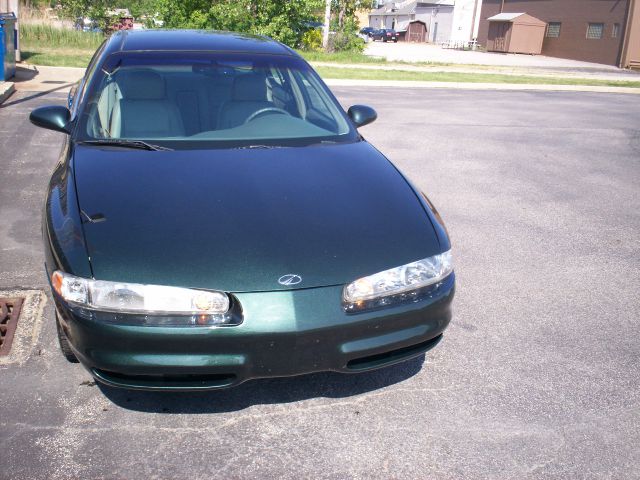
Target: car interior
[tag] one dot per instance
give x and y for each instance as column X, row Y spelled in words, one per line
column 207, row 101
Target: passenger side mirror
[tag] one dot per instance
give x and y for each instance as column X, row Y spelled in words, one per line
column 362, row 115
column 53, row 118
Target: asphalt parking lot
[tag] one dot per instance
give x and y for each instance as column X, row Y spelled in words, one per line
column 537, row 376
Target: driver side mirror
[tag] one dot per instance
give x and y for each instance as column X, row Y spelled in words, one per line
column 53, row 118
column 362, row 115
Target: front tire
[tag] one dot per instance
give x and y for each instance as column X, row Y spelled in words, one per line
column 63, row 341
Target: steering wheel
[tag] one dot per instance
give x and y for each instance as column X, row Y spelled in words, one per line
column 256, row 114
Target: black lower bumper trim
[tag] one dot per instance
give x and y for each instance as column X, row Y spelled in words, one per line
column 394, row 356
column 166, row 382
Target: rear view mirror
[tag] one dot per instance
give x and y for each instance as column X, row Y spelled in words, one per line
column 362, row 115
column 53, row 118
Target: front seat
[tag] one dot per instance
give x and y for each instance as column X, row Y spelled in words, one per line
column 248, row 95
column 145, row 110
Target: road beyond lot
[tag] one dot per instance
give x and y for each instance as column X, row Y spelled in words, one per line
column 537, row 376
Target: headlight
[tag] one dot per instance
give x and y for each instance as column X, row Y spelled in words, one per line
column 400, row 281
column 137, row 298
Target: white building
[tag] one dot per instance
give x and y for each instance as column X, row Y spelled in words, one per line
column 466, row 18
column 446, row 20
column 437, row 15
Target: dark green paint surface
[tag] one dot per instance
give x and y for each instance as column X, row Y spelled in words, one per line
column 284, row 333
column 237, row 220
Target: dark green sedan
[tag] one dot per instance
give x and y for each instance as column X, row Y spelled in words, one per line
column 215, row 216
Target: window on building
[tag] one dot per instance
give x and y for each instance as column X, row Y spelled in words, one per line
column 553, row 29
column 594, row 31
column 616, row 30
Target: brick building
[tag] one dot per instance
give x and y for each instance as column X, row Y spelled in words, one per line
column 601, row 31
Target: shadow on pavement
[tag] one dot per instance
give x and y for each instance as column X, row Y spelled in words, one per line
column 24, row 74
column 35, row 95
column 264, row 391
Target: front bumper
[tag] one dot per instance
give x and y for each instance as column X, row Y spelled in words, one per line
column 284, row 333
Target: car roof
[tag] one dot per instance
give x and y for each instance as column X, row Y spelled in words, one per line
column 193, row 40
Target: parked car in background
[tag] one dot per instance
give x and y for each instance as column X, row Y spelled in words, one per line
column 385, row 34
column 86, row 25
column 215, row 216
column 367, row 31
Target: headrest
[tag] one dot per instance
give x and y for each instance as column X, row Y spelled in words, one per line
column 141, row 85
column 250, row 87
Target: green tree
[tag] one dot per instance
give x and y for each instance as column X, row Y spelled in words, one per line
column 38, row 4
column 345, row 25
column 96, row 10
column 285, row 21
column 346, row 10
column 232, row 15
column 184, row 14
column 139, row 8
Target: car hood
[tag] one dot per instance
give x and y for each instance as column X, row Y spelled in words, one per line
column 238, row 219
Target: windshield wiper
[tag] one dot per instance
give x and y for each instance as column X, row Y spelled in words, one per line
column 321, row 142
column 112, row 142
column 244, row 147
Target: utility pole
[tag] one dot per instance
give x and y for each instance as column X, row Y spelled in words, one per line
column 327, row 20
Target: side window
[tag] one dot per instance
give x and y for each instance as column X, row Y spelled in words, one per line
column 315, row 101
column 93, row 64
column 276, row 76
column 319, row 109
column 72, row 94
column 281, row 92
column 107, row 120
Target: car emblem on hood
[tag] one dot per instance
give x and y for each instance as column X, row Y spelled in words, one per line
column 290, row 279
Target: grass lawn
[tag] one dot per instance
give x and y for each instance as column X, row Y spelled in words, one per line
column 57, row 57
column 380, row 74
column 341, row 57
column 361, row 58
column 47, row 45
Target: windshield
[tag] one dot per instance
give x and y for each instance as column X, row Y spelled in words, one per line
column 185, row 99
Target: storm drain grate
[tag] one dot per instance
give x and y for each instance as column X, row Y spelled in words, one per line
column 9, row 313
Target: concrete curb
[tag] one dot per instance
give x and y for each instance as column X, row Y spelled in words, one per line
column 6, row 89
column 339, row 82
